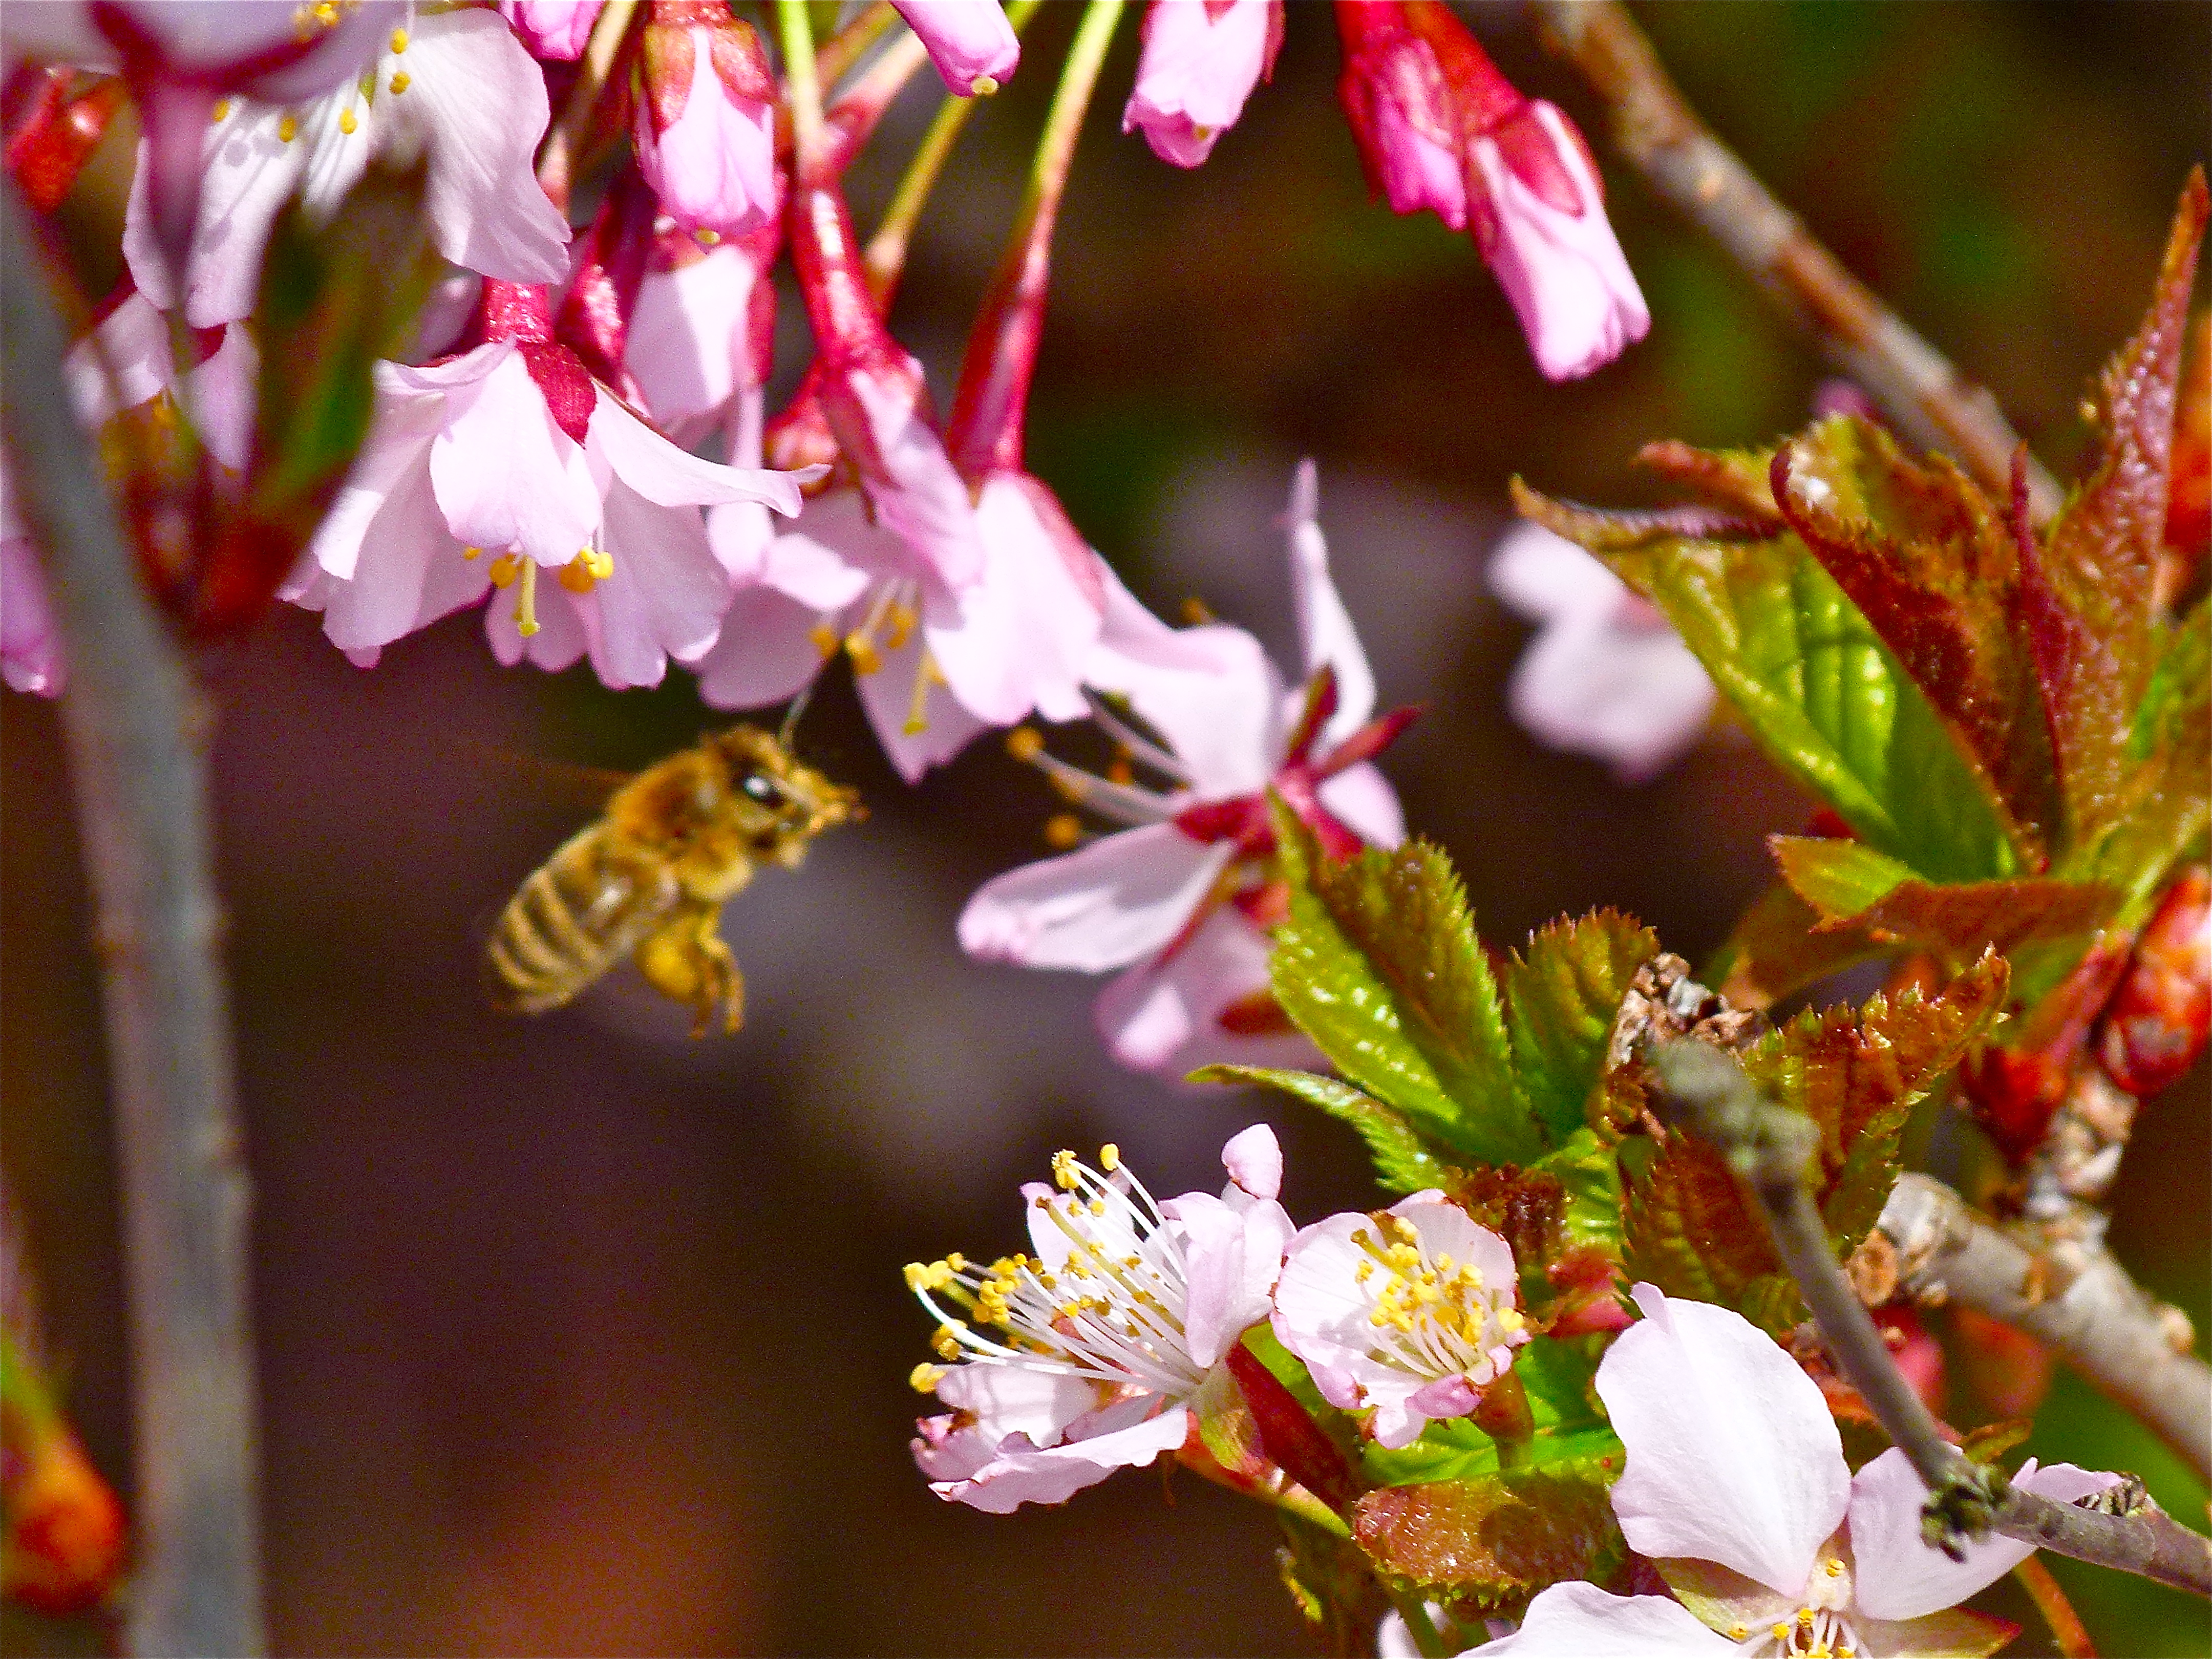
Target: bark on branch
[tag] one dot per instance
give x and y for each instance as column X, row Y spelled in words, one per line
column 2101, row 1323
column 141, row 789
column 1703, row 1091
column 1658, row 133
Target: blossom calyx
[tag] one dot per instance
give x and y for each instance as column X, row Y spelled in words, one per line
column 706, row 117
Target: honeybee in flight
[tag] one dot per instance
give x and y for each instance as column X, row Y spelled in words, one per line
column 676, row 844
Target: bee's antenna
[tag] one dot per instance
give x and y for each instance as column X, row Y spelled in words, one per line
column 791, row 717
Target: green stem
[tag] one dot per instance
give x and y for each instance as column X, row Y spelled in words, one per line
column 802, row 92
column 1428, row 1640
column 843, row 49
column 1078, row 75
column 887, row 248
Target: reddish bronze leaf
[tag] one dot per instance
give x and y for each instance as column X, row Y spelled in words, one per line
column 1958, row 920
column 1692, row 1229
column 1498, row 1538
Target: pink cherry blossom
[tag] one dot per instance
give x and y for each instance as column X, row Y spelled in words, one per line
column 553, row 29
column 1735, row 1485
column 702, row 330
column 456, row 86
column 131, row 358
column 30, row 645
column 969, row 41
column 1109, row 1329
column 1542, row 227
column 1201, row 62
column 1353, row 1304
column 706, row 118
column 1179, row 901
column 483, row 469
column 1404, row 117
column 1606, row 675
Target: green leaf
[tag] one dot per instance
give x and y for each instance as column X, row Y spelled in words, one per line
column 1824, row 696
column 1556, row 1374
column 1496, row 1538
column 1856, row 890
column 1563, row 993
column 1838, row 878
column 1773, row 1302
column 1568, row 1201
column 1403, row 1161
column 1378, row 963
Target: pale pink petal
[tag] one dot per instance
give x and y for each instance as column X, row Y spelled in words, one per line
column 1017, row 1400
column 506, row 475
column 1167, row 1016
column 30, row 646
column 398, row 444
column 1201, row 62
column 1234, row 1256
column 969, row 40
column 1732, row 1455
column 553, row 29
column 1634, row 696
column 1363, row 798
column 914, row 738
column 561, row 641
column 1578, row 302
column 666, row 596
column 222, row 394
column 1102, row 906
column 1210, row 692
column 657, row 470
column 125, row 361
column 1253, row 1158
column 764, row 653
column 478, row 103
column 918, row 497
column 247, row 173
column 405, row 569
column 1899, row 1575
column 1417, row 170
column 1019, row 1474
column 1581, row 1621
column 1545, row 577
column 714, row 167
column 688, row 343
column 1325, row 628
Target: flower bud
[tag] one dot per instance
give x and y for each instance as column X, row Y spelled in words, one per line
column 970, row 41
column 706, row 117
column 1201, row 59
column 552, row 29
column 1404, row 117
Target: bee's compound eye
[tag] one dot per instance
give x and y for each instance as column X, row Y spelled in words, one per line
column 760, row 789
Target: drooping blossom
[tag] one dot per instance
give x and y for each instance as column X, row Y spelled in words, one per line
column 1409, row 1312
column 1082, row 1358
column 483, row 469
column 702, row 330
column 557, row 29
column 1606, row 675
column 1735, row 1485
column 1438, row 127
column 1181, row 900
column 455, row 87
column 969, row 41
column 706, row 117
column 130, row 360
column 1201, row 62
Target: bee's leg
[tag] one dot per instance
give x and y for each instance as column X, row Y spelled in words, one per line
column 686, row 960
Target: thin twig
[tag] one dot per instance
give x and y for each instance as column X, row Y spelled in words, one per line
column 1703, row 1090
column 2100, row 1322
column 1658, row 133
column 135, row 732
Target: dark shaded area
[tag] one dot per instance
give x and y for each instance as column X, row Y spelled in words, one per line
column 579, row 1338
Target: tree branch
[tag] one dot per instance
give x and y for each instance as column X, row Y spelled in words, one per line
column 2101, row 1323
column 1658, row 133
column 1702, row 1089
column 140, row 786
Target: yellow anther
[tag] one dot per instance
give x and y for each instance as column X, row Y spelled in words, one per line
column 1024, row 742
column 504, row 569
column 862, row 651
column 348, row 123
column 956, row 1261
column 576, row 576
column 707, row 238
column 1109, row 1157
column 399, row 40
column 287, row 129
column 1834, row 1569
column 326, row 12
column 1120, row 771
column 1362, row 1271
column 1781, row 1632
column 900, row 620
column 1510, row 1320
column 525, row 599
column 221, row 110
column 1737, row 1632
column 472, row 552
column 945, row 1344
column 1443, row 1264
column 1063, row 1169
column 824, row 639
column 1805, row 1617
column 400, row 82
column 1196, row 612
column 598, row 561
column 984, row 86
column 1062, row 832
column 925, row 1377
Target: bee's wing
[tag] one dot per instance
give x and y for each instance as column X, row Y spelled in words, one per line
column 566, row 782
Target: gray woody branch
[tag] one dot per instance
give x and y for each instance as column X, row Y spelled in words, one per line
column 140, row 786
column 1703, row 1089
column 1663, row 137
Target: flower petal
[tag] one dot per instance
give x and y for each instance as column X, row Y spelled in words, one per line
column 506, row 475
column 1017, row 1399
column 1101, row 906
column 1171, row 1016
column 764, row 653
column 1900, row 1576
column 1544, row 576
column 1234, row 1257
column 1581, row 1621
column 666, row 596
column 1210, row 692
column 1363, row 798
column 1019, row 1473
column 1325, row 628
column 662, row 473
column 1732, row 1455
column 1253, row 1158
column 916, row 734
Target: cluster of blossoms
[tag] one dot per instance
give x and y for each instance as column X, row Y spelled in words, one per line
column 1108, row 1345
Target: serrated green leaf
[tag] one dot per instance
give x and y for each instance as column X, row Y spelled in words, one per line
column 1590, row 1176
column 1863, row 1182
column 1403, row 1161
column 1495, row 1538
column 1562, row 994
column 1817, row 687
column 1773, row 1302
column 1836, row 878
column 1377, row 962
column 2182, row 678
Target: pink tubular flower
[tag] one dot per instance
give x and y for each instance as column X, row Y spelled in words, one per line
column 512, row 450
column 1438, row 127
column 1181, row 899
column 969, row 41
column 456, row 86
column 1201, row 59
column 1105, row 1333
column 706, row 120
column 1606, row 675
column 30, row 646
column 1735, row 1485
column 557, row 29
column 1354, row 1303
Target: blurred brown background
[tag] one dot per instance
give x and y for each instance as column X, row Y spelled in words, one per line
column 579, row 1338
